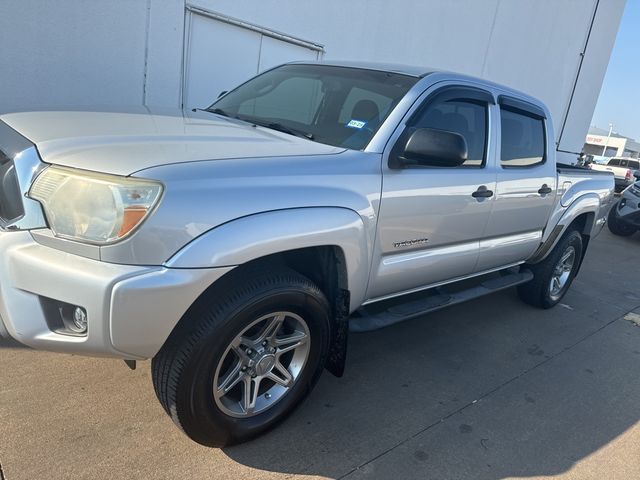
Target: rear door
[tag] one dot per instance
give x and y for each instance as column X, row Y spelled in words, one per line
column 430, row 223
column 525, row 188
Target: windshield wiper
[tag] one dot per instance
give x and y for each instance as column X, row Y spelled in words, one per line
column 284, row 129
column 218, row 111
column 272, row 125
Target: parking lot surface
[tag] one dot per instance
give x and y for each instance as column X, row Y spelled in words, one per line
column 490, row 389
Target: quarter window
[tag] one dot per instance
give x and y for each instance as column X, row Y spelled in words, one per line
column 465, row 117
column 523, row 139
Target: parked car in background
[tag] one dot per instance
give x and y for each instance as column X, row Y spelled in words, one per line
column 624, row 217
column 232, row 245
column 626, row 170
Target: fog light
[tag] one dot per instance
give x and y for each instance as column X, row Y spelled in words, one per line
column 80, row 319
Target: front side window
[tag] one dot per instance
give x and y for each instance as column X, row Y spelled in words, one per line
column 339, row 106
column 465, row 117
column 523, row 139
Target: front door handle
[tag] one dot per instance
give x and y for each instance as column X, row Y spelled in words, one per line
column 545, row 189
column 482, row 192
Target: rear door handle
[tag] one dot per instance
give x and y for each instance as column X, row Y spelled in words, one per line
column 482, row 192
column 545, row 189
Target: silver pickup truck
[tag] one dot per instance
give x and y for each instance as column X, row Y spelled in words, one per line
column 237, row 245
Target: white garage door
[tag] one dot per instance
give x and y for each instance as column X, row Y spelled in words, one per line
column 222, row 52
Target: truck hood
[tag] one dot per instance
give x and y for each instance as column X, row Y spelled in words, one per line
column 126, row 142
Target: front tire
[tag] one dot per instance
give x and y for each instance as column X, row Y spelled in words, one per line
column 617, row 226
column 242, row 360
column 553, row 276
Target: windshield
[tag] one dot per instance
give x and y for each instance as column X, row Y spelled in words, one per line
column 339, row 106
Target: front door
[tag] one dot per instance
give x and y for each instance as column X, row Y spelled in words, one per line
column 432, row 219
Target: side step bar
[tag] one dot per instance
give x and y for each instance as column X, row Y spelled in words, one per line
column 364, row 322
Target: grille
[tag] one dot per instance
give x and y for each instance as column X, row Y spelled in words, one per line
column 11, row 207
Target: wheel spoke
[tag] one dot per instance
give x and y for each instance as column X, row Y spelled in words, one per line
column 283, row 370
column 271, row 328
column 566, row 255
column 556, row 283
column 290, row 342
column 250, row 393
column 237, row 345
column 286, row 378
column 231, row 380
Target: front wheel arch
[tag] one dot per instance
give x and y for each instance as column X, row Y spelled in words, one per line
column 183, row 370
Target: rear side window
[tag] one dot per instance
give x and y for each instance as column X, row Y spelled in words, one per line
column 465, row 117
column 624, row 163
column 614, row 162
column 523, row 139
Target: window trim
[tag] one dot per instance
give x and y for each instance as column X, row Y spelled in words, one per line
column 521, row 107
column 444, row 94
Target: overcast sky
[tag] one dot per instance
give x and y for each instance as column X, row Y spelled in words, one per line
column 619, row 101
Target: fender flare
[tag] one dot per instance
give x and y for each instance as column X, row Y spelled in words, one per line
column 586, row 204
column 255, row 236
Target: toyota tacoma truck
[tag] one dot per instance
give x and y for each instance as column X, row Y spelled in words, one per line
column 236, row 246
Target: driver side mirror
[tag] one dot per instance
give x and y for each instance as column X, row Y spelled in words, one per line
column 431, row 148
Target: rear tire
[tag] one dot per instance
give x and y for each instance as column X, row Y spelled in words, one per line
column 617, row 226
column 225, row 375
column 553, row 276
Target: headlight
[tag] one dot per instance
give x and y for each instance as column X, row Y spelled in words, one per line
column 93, row 207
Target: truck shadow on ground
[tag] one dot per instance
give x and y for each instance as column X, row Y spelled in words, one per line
column 10, row 343
column 486, row 390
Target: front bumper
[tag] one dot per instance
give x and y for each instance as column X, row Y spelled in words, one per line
column 131, row 310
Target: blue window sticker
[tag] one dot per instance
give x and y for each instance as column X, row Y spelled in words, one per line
column 356, row 124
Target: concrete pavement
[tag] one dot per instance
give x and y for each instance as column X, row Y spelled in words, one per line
column 491, row 389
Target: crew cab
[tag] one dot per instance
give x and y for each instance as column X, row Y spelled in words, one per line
column 626, row 170
column 235, row 246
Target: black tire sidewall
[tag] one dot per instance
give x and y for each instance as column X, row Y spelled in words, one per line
column 204, row 421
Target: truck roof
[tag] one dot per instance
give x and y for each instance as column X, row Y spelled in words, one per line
column 410, row 70
column 421, row 72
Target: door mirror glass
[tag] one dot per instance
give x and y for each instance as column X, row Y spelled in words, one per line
column 434, row 148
